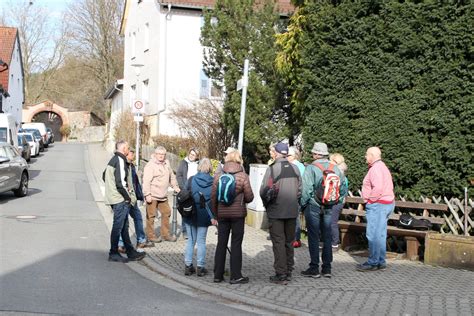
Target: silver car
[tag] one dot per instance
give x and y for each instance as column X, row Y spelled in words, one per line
column 13, row 171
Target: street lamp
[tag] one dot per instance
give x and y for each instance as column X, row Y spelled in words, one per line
column 137, row 67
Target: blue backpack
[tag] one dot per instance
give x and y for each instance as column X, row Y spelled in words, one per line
column 226, row 189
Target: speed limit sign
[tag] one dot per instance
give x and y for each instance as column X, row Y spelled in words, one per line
column 138, row 106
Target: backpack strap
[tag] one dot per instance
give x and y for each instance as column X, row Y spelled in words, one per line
column 320, row 166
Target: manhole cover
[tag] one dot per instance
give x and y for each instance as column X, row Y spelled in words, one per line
column 25, row 217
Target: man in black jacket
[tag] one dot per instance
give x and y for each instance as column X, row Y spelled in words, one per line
column 282, row 212
column 186, row 169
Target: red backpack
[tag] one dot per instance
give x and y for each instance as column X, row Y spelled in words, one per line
column 328, row 192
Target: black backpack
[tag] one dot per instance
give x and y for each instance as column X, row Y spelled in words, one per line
column 185, row 201
column 409, row 222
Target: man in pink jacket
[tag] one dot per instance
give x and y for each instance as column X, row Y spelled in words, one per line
column 157, row 177
column 377, row 191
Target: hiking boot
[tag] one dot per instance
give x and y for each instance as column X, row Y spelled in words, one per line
column 364, row 267
column 117, row 258
column 170, row 238
column 241, row 280
column 201, row 271
column 297, row 244
column 146, row 244
column 311, row 273
column 136, row 256
column 122, row 249
column 381, row 266
column 326, row 274
column 155, row 239
column 279, row 279
column 189, row 270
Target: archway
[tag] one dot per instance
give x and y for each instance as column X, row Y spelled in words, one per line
column 51, row 120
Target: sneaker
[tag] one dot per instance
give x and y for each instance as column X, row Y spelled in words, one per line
column 146, row 244
column 189, row 270
column 117, row 258
column 201, row 271
column 241, row 280
column 335, row 248
column 218, row 280
column 122, row 249
column 170, row 238
column 311, row 273
column 381, row 266
column 326, row 274
column 136, row 256
column 288, row 276
column 155, row 239
column 296, row 244
column 366, row 267
column 279, row 279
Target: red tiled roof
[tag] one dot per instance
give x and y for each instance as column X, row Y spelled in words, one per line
column 7, row 44
column 284, row 5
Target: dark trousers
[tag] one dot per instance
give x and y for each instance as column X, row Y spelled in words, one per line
column 282, row 233
column 236, row 225
column 120, row 228
column 336, row 212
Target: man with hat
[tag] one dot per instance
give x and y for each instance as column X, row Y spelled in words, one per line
column 318, row 215
column 282, row 212
column 221, row 165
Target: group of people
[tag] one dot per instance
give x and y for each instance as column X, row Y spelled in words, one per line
column 296, row 188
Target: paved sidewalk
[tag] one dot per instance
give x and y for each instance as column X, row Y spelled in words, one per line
column 408, row 288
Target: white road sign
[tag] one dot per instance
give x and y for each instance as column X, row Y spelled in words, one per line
column 138, row 106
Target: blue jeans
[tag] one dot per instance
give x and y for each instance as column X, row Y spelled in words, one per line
column 317, row 220
column 120, row 228
column 377, row 215
column 195, row 235
column 138, row 222
column 298, row 226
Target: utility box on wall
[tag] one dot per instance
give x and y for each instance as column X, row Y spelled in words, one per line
column 256, row 216
column 452, row 251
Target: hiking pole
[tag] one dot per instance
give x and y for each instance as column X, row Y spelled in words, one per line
column 174, row 216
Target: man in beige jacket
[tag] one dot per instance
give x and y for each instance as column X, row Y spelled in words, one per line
column 157, row 177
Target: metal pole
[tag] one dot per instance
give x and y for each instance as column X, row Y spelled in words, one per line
column 245, row 83
column 137, row 158
column 174, row 222
column 466, row 214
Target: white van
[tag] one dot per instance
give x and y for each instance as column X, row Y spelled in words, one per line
column 8, row 129
column 42, row 129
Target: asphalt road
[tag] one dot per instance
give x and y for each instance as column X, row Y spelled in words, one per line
column 56, row 263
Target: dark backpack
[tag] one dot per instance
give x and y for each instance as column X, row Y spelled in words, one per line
column 328, row 192
column 185, row 201
column 270, row 192
column 226, row 189
column 409, row 222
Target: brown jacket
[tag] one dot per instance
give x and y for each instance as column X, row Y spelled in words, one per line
column 157, row 177
column 238, row 209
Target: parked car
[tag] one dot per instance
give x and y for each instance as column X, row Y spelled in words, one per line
column 34, row 144
column 24, row 148
column 49, row 131
column 8, row 129
column 37, row 136
column 41, row 127
column 13, row 171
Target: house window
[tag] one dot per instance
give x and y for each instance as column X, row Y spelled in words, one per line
column 145, row 93
column 204, row 88
column 146, row 41
column 134, row 44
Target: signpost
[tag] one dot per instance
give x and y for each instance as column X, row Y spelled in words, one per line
column 138, row 108
column 243, row 84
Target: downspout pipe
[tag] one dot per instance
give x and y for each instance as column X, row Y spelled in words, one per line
column 165, row 69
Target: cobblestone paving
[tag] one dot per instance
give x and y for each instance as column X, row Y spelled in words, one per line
column 404, row 288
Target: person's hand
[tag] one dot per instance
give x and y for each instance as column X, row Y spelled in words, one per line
column 177, row 189
column 148, row 199
column 213, row 222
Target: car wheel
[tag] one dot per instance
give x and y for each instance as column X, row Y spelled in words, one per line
column 23, row 188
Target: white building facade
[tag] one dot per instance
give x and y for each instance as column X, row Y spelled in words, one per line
column 163, row 62
column 11, row 79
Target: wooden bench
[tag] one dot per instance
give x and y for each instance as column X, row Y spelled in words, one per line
column 349, row 228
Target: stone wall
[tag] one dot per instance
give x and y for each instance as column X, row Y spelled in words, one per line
column 88, row 134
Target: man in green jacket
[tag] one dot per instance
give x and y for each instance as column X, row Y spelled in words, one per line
column 318, row 213
column 120, row 195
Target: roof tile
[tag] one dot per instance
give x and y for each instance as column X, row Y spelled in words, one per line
column 7, row 44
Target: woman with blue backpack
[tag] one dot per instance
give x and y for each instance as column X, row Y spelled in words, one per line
column 197, row 223
column 231, row 191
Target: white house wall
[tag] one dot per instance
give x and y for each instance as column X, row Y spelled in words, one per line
column 14, row 103
column 172, row 61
